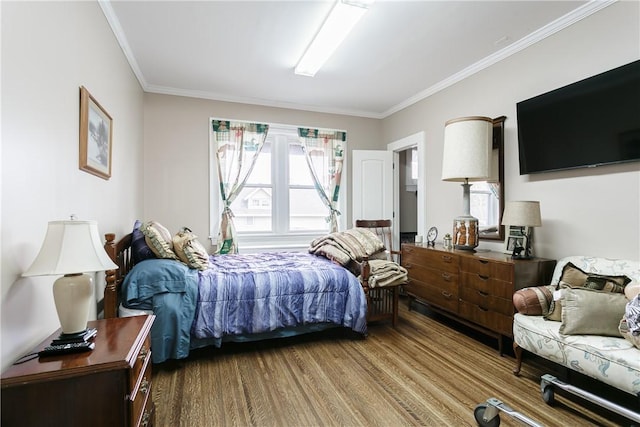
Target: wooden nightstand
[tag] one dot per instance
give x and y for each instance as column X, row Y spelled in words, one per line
column 109, row 386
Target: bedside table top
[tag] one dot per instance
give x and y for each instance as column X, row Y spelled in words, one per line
column 117, row 341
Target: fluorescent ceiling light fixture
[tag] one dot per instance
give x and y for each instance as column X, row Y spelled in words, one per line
column 343, row 17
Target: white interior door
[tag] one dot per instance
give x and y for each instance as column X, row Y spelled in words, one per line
column 372, row 188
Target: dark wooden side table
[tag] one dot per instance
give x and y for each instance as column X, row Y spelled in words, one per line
column 108, row 386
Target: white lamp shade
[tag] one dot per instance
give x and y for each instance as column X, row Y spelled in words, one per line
column 522, row 213
column 70, row 247
column 467, row 149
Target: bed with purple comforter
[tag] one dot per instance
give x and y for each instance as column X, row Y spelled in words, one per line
column 242, row 297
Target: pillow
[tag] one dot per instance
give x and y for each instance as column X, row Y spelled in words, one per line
column 626, row 333
column 189, row 250
column 534, row 301
column 159, row 239
column 632, row 289
column 591, row 312
column 139, row 248
column 574, row 277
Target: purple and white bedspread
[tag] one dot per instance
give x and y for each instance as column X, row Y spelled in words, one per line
column 244, row 294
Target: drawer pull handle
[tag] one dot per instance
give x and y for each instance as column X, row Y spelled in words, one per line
column 144, row 351
column 483, row 261
column 484, row 294
column 446, row 258
column 446, row 294
column 482, row 308
column 145, row 419
column 483, row 277
column 144, row 386
column 446, row 276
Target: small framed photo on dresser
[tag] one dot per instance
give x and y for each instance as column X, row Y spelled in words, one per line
column 516, row 237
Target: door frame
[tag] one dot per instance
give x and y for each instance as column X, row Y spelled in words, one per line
column 415, row 140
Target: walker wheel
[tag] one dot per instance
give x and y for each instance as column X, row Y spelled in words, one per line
column 478, row 414
column 548, row 395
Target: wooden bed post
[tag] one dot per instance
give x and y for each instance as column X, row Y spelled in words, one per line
column 111, row 277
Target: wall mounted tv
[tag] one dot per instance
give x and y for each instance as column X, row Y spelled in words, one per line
column 589, row 123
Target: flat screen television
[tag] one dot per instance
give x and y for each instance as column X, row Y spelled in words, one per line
column 593, row 122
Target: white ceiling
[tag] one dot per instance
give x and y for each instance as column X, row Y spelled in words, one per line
column 399, row 53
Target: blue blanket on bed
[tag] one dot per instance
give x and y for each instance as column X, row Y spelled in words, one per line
column 242, row 295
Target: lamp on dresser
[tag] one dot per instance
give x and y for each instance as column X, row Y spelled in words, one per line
column 71, row 248
column 466, row 157
column 525, row 215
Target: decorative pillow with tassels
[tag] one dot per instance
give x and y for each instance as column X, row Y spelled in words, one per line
column 190, row 250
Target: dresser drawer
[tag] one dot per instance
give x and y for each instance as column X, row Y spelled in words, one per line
column 486, row 284
column 487, row 268
column 492, row 320
column 438, row 278
column 487, row 301
column 428, row 258
column 445, row 297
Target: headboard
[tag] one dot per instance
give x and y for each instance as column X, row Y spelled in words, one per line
column 120, row 253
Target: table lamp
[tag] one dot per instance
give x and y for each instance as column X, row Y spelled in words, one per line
column 71, row 248
column 524, row 214
column 467, row 157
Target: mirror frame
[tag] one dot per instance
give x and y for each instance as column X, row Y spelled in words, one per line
column 498, row 144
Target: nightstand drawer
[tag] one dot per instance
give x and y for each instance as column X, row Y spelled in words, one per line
column 141, row 404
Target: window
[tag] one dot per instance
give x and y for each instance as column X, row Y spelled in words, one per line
column 483, row 204
column 279, row 205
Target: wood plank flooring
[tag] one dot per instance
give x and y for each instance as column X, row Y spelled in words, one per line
column 427, row 372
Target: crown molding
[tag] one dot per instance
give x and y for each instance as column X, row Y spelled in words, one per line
column 570, row 18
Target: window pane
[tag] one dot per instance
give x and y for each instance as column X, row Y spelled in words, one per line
column 252, row 209
column 299, row 173
column 306, row 211
column 261, row 173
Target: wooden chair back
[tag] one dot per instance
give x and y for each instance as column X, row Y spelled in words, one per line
column 383, row 229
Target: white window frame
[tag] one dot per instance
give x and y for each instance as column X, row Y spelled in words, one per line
column 277, row 239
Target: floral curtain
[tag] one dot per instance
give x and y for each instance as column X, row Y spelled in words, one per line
column 237, row 145
column 324, row 152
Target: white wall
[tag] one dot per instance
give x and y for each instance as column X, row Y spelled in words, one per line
column 49, row 50
column 587, row 211
column 177, row 152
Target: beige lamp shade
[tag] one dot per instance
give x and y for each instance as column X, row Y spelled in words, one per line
column 522, row 213
column 70, row 247
column 467, row 149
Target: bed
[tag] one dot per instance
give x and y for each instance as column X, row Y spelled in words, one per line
column 240, row 297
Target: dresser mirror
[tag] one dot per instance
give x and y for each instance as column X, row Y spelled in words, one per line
column 487, row 197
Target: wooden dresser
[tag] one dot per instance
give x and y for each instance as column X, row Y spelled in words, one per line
column 475, row 288
column 108, row 386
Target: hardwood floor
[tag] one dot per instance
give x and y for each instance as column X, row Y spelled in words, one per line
column 425, row 372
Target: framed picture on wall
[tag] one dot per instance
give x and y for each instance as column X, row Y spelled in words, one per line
column 516, row 237
column 96, row 126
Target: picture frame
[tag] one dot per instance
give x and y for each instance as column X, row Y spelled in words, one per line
column 515, row 236
column 96, row 136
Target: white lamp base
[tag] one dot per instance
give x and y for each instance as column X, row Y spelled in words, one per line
column 73, row 294
column 465, row 233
